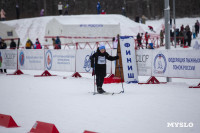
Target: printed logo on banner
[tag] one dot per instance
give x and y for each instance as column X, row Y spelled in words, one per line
column 1, row 60
column 160, row 64
column 21, row 58
column 87, row 62
column 48, row 59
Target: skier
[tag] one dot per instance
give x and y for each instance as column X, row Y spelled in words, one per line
column 98, row 63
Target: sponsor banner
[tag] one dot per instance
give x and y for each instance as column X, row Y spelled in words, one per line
column 144, row 62
column 31, row 59
column 60, row 60
column 83, row 63
column 128, row 59
column 8, row 59
column 184, row 63
column 159, row 63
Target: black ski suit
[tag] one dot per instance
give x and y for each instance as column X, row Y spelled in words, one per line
column 98, row 62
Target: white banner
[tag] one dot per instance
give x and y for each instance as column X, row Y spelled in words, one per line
column 31, row 59
column 144, row 62
column 159, row 65
column 8, row 59
column 83, row 60
column 183, row 63
column 60, row 60
column 128, row 59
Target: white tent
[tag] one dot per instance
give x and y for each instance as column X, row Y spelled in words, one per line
column 7, row 32
column 72, row 33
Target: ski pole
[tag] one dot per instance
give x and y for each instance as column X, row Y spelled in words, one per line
column 94, row 77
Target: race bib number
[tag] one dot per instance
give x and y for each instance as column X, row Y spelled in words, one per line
column 101, row 60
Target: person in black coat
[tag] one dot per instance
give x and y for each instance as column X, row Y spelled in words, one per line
column 3, row 46
column 12, row 44
column 98, row 63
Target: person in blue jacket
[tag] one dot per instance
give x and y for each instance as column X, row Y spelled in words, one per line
column 58, row 43
column 98, row 8
column 98, row 63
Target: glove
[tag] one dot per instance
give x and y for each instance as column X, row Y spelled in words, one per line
column 117, row 57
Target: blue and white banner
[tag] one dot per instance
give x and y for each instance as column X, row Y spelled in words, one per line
column 184, row 63
column 60, row 60
column 128, row 59
column 31, row 59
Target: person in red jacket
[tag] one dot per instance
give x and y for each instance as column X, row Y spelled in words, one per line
column 38, row 45
column 146, row 38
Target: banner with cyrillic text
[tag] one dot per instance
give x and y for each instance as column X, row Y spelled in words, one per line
column 60, row 60
column 184, row 63
column 31, row 59
column 8, row 59
column 128, row 59
column 144, row 62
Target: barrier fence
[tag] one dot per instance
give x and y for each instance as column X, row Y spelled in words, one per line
column 160, row 63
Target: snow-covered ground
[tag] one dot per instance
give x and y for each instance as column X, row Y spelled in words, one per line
column 70, row 105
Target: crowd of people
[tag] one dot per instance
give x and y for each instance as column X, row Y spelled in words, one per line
column 184, row 36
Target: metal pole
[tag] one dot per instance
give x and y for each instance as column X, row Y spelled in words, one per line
column 167, row 28
column 45, row 8
column 174, row 23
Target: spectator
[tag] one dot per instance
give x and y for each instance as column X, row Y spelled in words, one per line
column 3, row 46
column 151, row 46
column 182, row 27
column 54, row 43
column 37, row 44
column 60, row 8
column 171, row 36
column 185, row 37
column 103, row 12
column 123, row 11
column 115, row 42
column 17, row 11
column 66, row 9
column 42, row 12
column 146, row 38
column 197, row 28
column 161, row 37
column 189, row 37
column 98, row 8
column 139, row 40
column 29, row 44
column 13, row 44
column 193, row 32
column 3, row 15
column 58, row 43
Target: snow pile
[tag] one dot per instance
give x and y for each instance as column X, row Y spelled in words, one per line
column 35, row 27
